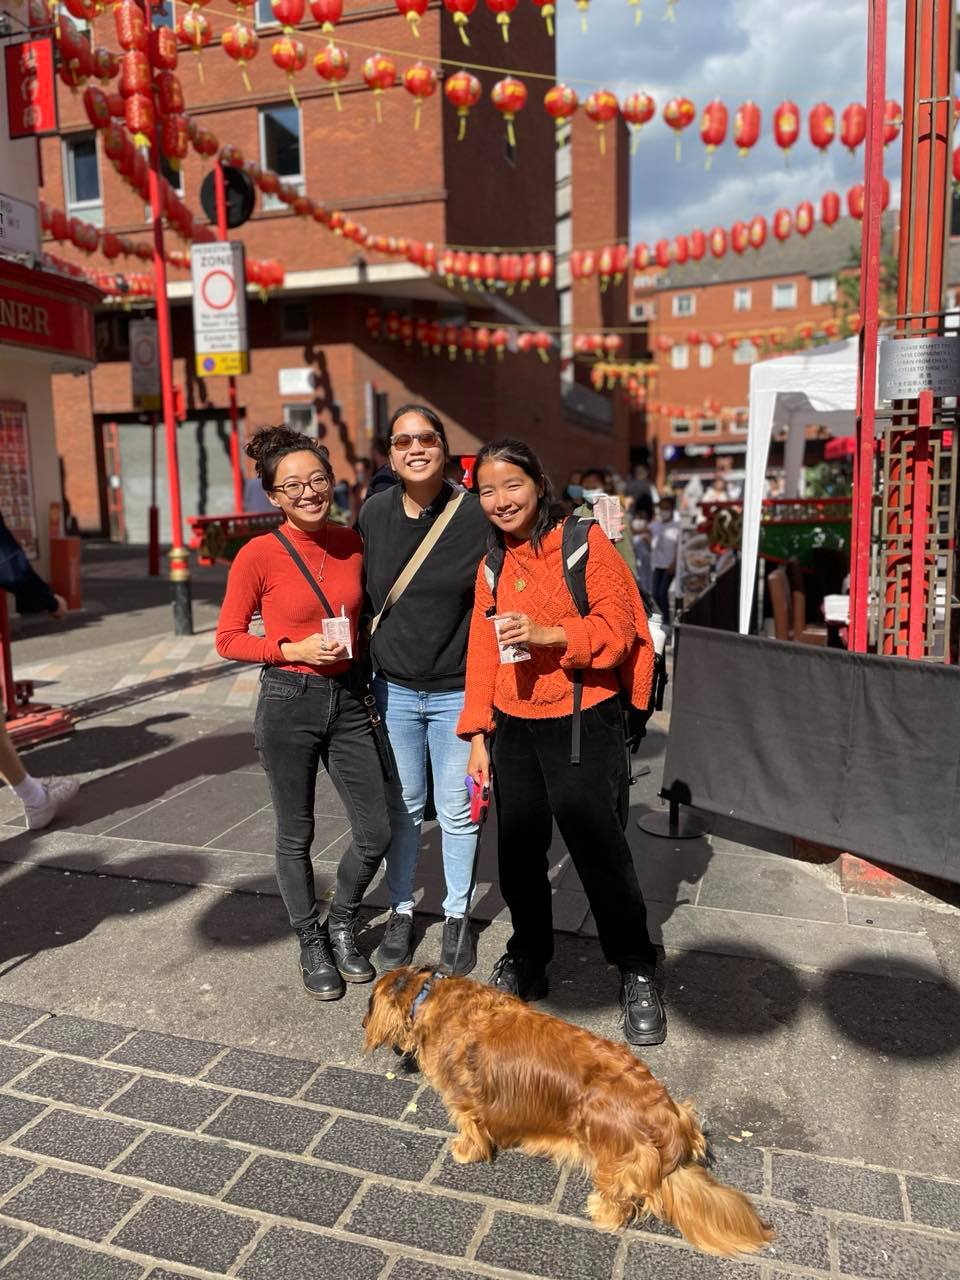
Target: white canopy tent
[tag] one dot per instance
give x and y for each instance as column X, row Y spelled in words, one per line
column 817, row 386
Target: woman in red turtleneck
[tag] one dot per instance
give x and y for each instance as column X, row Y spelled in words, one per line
column 310, row 709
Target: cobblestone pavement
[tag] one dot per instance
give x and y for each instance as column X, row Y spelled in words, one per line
column 126, row 1154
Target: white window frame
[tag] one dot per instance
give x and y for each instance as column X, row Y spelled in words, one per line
column 680, row 356
column 706, row 355
column 742, row 298
column 293, row 411
column 778, row 295
column 684, row 304
column 87, row 210
column 709, row 427
column 259, row 22
column 823, row 290
column 745, row 352
column 292, row 180
column 681, row 427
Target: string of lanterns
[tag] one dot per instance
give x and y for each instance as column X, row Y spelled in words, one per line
column 113, row 285
column 434, row 337
column 806, row 333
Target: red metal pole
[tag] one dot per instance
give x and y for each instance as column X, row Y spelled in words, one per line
column 919, row 519
column 231, row 381
column 7, row 687
column 153, row 514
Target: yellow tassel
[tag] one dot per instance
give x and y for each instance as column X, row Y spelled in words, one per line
column 504, row 20
column 336, row 98
column 543, row 355
column 677, row 149
column 511, row 136
column 293, row 92
column 246, row 79
column 462, row 130
column 461, row 20
column 376, row 99
column 634, row 141
column 709, row 161
column 603, row 139
column 416, row 115
column 414, row 20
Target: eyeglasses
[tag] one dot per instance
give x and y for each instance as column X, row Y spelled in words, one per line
column 294, row 489
column 404, row 441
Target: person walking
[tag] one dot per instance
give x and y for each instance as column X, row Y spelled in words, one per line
column 419, row 653
column 311, row 709
column 664, row 533
column 528, row 707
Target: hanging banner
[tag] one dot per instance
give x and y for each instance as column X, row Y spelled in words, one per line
column 16, row 483
column 144, row 364
column 219, row 308
column 31, row 89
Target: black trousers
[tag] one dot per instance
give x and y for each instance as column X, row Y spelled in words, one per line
column 301, row 722
column 534, row 782
column 662, row 578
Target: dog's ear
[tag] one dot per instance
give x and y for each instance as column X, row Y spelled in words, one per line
column 387, row 1020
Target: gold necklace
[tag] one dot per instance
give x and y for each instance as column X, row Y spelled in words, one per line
column 519, row 582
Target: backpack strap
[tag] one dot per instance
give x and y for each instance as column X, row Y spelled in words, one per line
column 575, row 548
column 492, row 568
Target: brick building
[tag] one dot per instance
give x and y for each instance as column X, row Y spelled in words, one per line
column 313, row 363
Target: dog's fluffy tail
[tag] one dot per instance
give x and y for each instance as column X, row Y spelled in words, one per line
column 711, row 1216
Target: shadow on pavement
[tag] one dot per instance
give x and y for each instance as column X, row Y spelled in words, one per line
column 102, row 746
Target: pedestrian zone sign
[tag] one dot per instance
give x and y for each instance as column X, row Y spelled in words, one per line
column 144, row 364
column 219, row 308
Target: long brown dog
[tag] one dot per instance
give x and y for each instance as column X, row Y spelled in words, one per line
column 511, row 1076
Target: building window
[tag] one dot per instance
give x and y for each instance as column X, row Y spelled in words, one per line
column 742, row 298
column 684, row 304
column 823, row 289
column 164, row 16
column 744, row 352
column 82, row 172
column 299, row 417
column 680, row 427
column 784, row 296
column 264, row 13
column 710, row 427
column 280, row 146
column 740, row 422
column 706, row 355
column 295, row 320
column 680, row 356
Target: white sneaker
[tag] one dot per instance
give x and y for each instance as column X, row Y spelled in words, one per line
column 58, row 792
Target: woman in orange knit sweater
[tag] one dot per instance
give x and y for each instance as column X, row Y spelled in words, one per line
column 527, row 707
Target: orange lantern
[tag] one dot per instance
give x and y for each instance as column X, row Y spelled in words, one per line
column 327, row 12
column 560, row 103
column 782, row 224
column 892, row 120
column 746, row 126
column 547, row 9
column 637, row 109
column 380, row 74
column 697, row 244
column 290, row 56
column 823, row 125
column 413, row 11
column 332, row 64
column 757, row 232
column 601, row 107
column 162, row 50
column 503, row 10
column 713, row 127
column 803, row 218
column 461, row 10
column 130, row 25
column 853, row 126
column 509, row 96
column 105, row 63
column 241, row 43
column 420, row 81
column 786, row 125
column 829, row 208
column 718, row 242
column 463, row 90
column 739, row 237
column 679, row 114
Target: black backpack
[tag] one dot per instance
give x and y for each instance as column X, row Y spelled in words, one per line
column 575, row 548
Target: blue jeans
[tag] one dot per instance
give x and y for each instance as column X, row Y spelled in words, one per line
column 418, row 723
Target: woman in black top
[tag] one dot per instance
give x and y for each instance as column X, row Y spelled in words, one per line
column 419, row 656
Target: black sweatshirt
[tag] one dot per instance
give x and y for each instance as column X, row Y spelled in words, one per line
column 421, row 641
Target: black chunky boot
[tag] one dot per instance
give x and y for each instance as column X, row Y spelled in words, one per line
column 518, row 977
column 644, row 1018
column 351, row 963
column 317, row 967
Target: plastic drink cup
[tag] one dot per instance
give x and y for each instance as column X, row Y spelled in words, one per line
column 509, row 653
column 337, row 631
column 609, row 515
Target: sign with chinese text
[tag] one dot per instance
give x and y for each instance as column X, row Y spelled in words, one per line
column 910, row 366
column 16, row 484
column 31, row 88
column 144, row 364
column 219, row 308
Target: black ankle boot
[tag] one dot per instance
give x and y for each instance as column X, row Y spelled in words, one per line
column 518, row 977
column 317, row 967
column 352, row 965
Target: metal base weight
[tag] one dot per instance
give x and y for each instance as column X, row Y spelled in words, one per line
column 671, row 824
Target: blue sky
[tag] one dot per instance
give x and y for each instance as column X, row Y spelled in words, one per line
column 768, row 50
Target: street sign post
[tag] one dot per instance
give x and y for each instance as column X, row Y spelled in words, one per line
column 219, row 309
column 144, row 364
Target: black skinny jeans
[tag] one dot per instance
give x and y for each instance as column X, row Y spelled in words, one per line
column 301, row 722
column 534, row 782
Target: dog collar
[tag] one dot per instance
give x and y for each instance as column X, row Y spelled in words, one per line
column 423, row 993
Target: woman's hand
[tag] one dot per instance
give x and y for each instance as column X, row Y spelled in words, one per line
column 517, row 628
column 478, row 766
column 315, row 650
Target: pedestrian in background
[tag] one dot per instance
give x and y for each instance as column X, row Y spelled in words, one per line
column 596, row 484
column 664, row 542
column 528, row 708
column 311, row 709
column 384, row 477
column 419, row 655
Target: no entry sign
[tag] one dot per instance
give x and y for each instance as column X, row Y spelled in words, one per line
column 219, row 308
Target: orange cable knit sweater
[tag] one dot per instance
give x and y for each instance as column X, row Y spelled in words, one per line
column 543, row 687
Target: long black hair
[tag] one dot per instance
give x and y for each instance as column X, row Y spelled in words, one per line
column 519, row 454
column 270, row 444
column 430, row 418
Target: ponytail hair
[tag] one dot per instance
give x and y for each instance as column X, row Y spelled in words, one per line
column 271, row 444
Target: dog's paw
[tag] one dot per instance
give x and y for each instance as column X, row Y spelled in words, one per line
column 605, row 1214
column 465, row 1151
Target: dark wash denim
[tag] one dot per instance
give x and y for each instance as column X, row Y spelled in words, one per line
column 534, row 782
column 304, row 721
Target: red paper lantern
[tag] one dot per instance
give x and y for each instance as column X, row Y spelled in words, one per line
column 829, row 208
column 664, row 343
column 173, row 139
column 641, row 256
column 661, row 253
column 503, row 10
column 289, row 13
column 782, row 224
column 115, row 103
column 76, row 60
column 163, row 49
column 332, row 64
column 380, row 74
column 466, row 341
column 509, row 96
column 713, row 127
column 803, row 218
column 241, row 43
column 82, row 10
column 560, row 102
column 694, row 338
column 853, row 126
column 892, row 120
column 193, row 30
column 232, row 156
column 956, row 164
column 679, row 114
column 461, row 10
column 140, row 118
column 746, row 126
column 528, row 270
column 758, row 232
column 716, row 340
column 545, row 266
column 413, row 11
column 169, row 93
column 327, row 12
column 105, row 63
column 420, row 81
column 290, row 56
column 206, row 144
column 823, row 125
column 637, row 109
column 786, row 124
column 679, row 250
column 855, row 201
column 601, row 107
column 697, row 243
column 463, row 90
column 96, row 106
column 130, row 25
column 134, row 73
column 481, row 341
column 739, row 237
column 110, row 245
column 718, row 242
column 547, row 10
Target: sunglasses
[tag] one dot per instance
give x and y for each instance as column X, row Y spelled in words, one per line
column 404, row 441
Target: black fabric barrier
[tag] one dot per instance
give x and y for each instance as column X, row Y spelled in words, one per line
column 719, row 605
column 854, row 751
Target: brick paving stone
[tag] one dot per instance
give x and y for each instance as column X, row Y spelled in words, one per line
column 73, row 1202
column 414, row 1269
column 362, row 1091
column 430, row 1113
column 436, row 1223
column 294, row 1190
column 889, row 1254
column 187, row 1163
column 14, row 1060
column 9, row 1239
column 935, row 1203
column 196, row 1234
column 43, row 1259
column 15, row 1018
column 546, row 1248
column 261, row 1073
column 181, row 1106
column 801, row 1238
column 510, row 1176
column 378, row 1149
column 15, row 1113
column 646, row 1258
column 276, row 1125
column 738, row 1165
column 807, row 1180
column 67, row 1034
column 283, row 1254
column 166, row 1053
column 12, row 1171
column 81, row 1139
column 77, row 1082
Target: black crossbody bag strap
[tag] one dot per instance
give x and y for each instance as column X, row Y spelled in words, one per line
column 298, row 560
